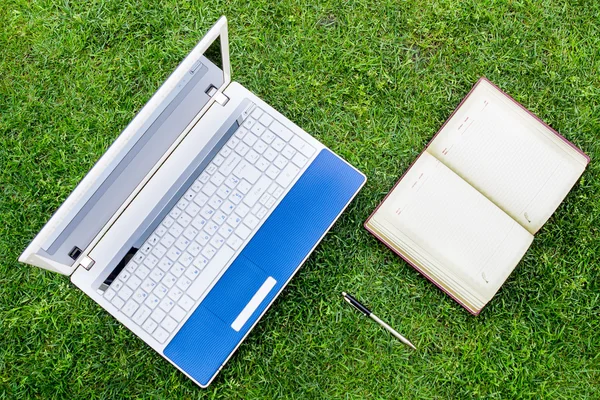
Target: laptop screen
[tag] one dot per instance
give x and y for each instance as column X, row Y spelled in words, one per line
column 185, row 97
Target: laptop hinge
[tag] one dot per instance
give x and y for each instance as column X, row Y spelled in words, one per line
column 86, row 262
column 217, row 96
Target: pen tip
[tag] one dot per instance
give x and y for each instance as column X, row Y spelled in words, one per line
column 344, row 294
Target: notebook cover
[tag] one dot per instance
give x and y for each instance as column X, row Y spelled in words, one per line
column 483, row 78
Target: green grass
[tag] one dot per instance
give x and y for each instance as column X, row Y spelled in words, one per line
column 373, row 81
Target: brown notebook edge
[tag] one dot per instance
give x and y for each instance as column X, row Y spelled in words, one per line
column 481, row 79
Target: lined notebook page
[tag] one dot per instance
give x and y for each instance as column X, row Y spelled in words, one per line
column 509, row 156
column 436, row 215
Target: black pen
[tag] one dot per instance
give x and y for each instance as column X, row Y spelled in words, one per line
column 375, row 318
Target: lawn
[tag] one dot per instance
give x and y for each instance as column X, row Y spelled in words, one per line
column 371, row 80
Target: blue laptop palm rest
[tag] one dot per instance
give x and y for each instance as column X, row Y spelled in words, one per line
column 278, row 248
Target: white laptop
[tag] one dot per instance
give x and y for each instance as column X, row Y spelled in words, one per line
column 198, row 215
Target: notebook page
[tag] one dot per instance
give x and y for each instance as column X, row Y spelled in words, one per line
column 436, row 215
column 510, row 157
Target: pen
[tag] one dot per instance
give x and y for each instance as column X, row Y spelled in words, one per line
column 356, row 304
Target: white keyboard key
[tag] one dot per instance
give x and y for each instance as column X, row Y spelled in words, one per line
column 250, row 139
column 242, row 210
column 165, row 264
column 184, row 220
column 270, row 154
column 196, row 186
column 234, row 220
column 166, row 304
column 190, row 233
column 160, row 335
column 141, row 314
column 249, row 123
column 279, row 162
column 287, row 175
column 212, row 270
column 160, row 230
column 192, row 273
column 118, row 302
column 161, row 291
column 174, row 253
column 153, row 240
column 140, row 296
column 211, row 169
column 189, row 195
column 261, row 213
column 168, row 324
column 251, row 221
column 257, row 113
column 236, row 197
column 242, row 149
column 288, row 152
column 175, row 293
column 219, row 217
column 152, row 301
column 207, row 213
column 182, row 243
column 281, row 131
column 215, row 202
column 209, row 251
column 177, row 270
column 200, row 263
column 227, row 207
column 167, row 240
column 134, row 282
column 169, row 280
column 260, row 146
column 278, row 144
column 130, row 307
column 272, row 172
column 217, row 241
column 116, row 286
column 150, row 325
column 229, row 164
column 186, row 302
column 150, row 261
column 175, row 230
column 218, row 160
column 194, row 249
column 245, row 170
column 223, row 192
column 244, row 186
column 177, row 313
column 193, row 209
column 184, row 283
column 278, row 192
column 109, row 294
column 124, row 276
column 257, row 190
column 203, row 238
column 240, row 133
column 217, row 179
column 175, row 213
column 159, row 251
column 258, row 129
column 186, row 259
column 266, row 119
column 225, row 151
column 139, row 257
column 232, row 182
column 302, row 146
column 243, row 231
column 209, row 189
column 158, row 314
column 233, row 142
column 182, row 204
column 201, row 199
column 270, row 202
column 131, row 267
column 235, row 242
column 268, row 136
column 226, row 230
column 198, row 223
column 262, row 164
column 168, row 221
column 252, row 156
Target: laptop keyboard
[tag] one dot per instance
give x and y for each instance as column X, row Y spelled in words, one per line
column 217, row 216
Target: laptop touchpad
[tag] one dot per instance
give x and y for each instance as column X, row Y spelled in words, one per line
column 239, row 292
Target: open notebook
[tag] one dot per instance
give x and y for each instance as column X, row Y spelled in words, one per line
column 465, row 212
